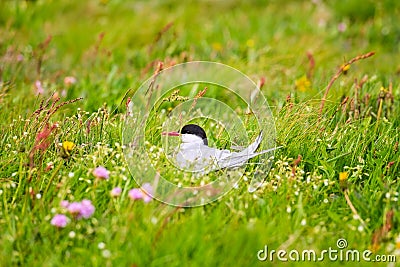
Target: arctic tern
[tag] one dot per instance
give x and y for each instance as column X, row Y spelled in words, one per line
column 195, row 155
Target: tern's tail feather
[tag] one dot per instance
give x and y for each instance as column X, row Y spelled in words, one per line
column 252, row 147
column 239, row 159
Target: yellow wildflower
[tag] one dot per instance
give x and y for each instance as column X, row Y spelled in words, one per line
column 343, row 176
column 217, row 47
column 67, row 148
column 345, row 68
column 303, row 83
column 250, row 43
column 374, row 247
column 343, row 180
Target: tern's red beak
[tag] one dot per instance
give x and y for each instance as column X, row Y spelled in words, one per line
column 171, row 133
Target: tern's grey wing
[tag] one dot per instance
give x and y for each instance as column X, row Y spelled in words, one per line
column 214, row 153
column 200, row 158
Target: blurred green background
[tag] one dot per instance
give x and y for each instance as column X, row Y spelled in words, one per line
column 110, row 46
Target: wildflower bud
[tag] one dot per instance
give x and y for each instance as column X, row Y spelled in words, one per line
column 64, row 204
column 145, row 193
column 101, row 173
column 83, row 209
column 382, row 93
column 39, row 88
column 135, row 194
column 116, row 192
column 74, row 208
column 69, row 80
column 87, row 209
column 59, row 220
column 22, row 147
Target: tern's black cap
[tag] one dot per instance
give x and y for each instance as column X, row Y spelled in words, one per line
column 196, row 130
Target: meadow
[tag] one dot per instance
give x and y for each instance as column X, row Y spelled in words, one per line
column 68, row 70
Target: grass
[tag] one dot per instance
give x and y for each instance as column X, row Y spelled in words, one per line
column 112, row 47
